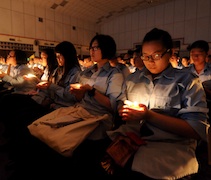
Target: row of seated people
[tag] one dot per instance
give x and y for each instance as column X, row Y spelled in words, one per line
column 171, row 116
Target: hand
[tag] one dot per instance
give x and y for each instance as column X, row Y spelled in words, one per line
column 132, row 114
column 38, row 71
column 2, row 74
column 32, row 92
column 43, row 85
column 79, row 90
column 29, row 77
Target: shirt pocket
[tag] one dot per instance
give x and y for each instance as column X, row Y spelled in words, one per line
column 160, row 102
column 165, row 102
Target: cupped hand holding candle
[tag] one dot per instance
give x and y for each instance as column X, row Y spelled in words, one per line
column 43, row 85
column 30, row 75
column 133, row 111
column 133, row 105
column 2, row 74
column 75, row 86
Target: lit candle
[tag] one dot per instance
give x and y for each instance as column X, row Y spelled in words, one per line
column 30, row 75
column 75, row 86
column 133, row 105
column 42, row 83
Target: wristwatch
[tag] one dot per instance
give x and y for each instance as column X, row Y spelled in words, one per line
column 91, row 92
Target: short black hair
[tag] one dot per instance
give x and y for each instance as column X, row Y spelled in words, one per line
column 106, row 44
column 159, row 35
column 21, row 57
column 201, row 44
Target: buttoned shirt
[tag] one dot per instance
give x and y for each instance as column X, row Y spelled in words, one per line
column 205, row 74
column 177, row 93
column 60, row 95
column 108, row 81
column 16, row 80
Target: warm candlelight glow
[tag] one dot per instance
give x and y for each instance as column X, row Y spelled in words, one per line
column 75, row 86
column 42, row 83
column 133, row 105
column 30, row 75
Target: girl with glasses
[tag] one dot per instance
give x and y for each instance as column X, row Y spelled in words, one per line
column 167, row 117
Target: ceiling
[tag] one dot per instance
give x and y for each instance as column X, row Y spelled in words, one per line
column 96, row 11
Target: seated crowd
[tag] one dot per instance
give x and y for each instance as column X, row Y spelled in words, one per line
column 156, row 112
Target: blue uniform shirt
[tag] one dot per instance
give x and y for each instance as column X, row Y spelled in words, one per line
column 175, row 92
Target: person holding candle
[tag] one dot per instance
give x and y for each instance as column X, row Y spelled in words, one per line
column 171, row 120
column 47, row 64
column 49, row 95
column 52, row 89
column 96, row 91
column 13, row 72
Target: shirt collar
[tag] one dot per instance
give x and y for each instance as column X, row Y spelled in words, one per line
column 168, row 73
column 106, row 67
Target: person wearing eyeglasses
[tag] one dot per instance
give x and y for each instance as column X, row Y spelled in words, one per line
column 199, row 51
column 98, row 88
column 167, row 117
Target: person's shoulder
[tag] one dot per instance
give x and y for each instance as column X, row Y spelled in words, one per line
column 208, row 65
column 183, row 70
column 75, row 69
column 112, row 69
column 135, row 75
column 182, row 76
column 121, row 66
column 185, row 76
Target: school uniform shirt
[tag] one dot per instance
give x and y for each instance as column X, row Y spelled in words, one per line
column 15, row 79
column 60, row 95
column 45, row 75
column 108, row 81
column 177, row 93
column 204, row 76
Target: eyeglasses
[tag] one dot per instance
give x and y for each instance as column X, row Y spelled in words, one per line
column 94, row 48
column 154, row 56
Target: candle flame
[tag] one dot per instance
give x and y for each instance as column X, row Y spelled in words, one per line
column 75, row 86
column 30, row 75
column 133, row 105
